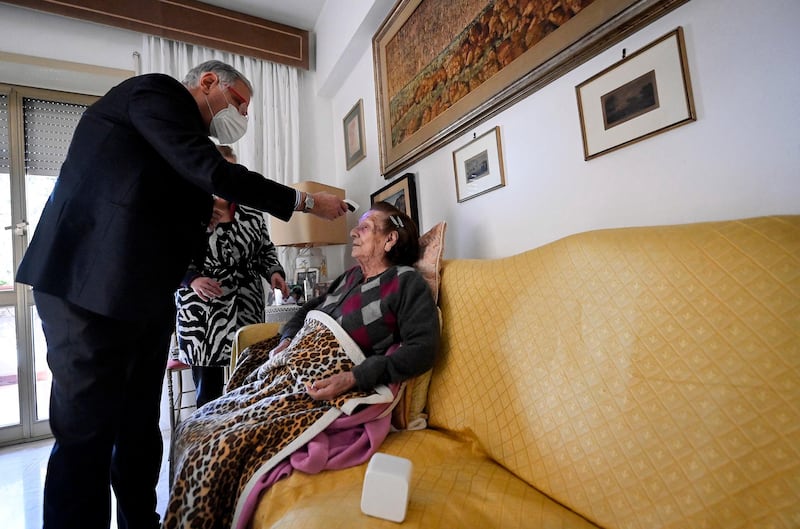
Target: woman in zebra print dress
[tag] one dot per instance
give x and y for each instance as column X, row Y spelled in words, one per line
column 224, row 292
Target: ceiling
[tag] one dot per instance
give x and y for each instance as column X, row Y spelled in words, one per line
column 301, row 14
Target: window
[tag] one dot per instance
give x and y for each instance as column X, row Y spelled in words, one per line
column 36, row 127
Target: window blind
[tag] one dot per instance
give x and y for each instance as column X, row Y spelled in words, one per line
column 49, row 126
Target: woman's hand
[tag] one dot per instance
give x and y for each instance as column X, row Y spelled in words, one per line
column 331, row 387
column 206, row 288
column 277, row 281
column 280, row 347
column 221, row 212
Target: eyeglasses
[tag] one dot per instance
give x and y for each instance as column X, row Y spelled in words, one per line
column 239, row 102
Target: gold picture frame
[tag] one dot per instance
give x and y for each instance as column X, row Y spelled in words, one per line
column 644, row 94
column 479, row 166
column 440, row 70
column 355, row 149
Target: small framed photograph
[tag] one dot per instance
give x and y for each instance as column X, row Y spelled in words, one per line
column 644, row 94
column 312, row 274
column 400, row 193
column 320, row 289
column 479, row 166
column 354, row 144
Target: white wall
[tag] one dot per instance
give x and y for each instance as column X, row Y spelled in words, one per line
column 342, row 76
column 32, row 33
column 39, row 34
column 324, row 159
column 740, row 158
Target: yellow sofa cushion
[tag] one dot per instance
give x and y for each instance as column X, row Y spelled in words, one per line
column 643, row 377
column 453, row 484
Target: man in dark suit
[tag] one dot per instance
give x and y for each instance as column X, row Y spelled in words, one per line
column 128, row 211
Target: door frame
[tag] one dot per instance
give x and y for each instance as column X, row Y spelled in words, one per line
column 29, row 428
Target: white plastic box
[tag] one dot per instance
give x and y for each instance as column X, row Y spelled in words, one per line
column 385, row 492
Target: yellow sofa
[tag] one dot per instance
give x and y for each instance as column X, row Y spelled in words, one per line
column 628, row 378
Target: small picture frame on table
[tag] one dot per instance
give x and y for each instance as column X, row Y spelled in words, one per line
column 646, row 93
column 479, row 166
column 312, row 274
column 400, row 193
column 354, row 145
column 320, row 289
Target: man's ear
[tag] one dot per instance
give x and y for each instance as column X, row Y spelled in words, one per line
column 207, row 80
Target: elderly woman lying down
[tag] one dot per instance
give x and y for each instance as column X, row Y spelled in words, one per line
column 319, row 398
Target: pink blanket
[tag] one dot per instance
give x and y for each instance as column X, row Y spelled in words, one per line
column 350, row 440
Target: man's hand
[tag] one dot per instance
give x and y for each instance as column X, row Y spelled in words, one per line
column 206, row 288
column 328, row 206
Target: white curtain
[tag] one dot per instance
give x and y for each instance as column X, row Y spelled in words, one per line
column 272, row 143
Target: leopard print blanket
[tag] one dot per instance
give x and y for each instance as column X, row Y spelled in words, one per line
column 264, row 416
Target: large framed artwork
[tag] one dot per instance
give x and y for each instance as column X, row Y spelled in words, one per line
column 644, row 94
column 400, row 193
column 441, row 68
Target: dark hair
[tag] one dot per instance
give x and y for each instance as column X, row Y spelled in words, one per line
column 406, row 250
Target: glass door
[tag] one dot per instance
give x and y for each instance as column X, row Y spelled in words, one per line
column 36, row 127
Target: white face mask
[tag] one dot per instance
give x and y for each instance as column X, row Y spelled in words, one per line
column 227, row 125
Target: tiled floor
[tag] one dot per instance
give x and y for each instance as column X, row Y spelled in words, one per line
column 23, row 468
column 22, row 471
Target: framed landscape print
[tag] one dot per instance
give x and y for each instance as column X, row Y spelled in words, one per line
column 642, row 95
column 442, row 68
column 479, row 166
column 402, row 194
column 354, row 145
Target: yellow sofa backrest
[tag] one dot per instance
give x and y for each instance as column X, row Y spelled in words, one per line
column 644, row 377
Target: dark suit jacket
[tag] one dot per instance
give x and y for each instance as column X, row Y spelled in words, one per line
column 133, row 199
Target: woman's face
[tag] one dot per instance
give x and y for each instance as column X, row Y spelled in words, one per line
column 370, row 242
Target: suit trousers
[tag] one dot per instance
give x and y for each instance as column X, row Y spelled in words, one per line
column 209, row 382
column 104, row 414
